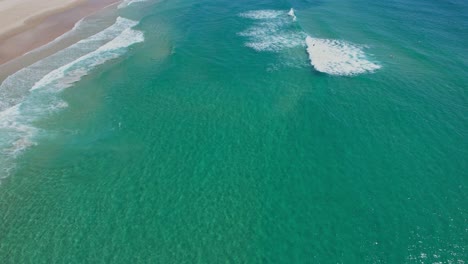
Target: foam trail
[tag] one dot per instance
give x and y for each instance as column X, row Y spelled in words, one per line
column 272, row 31
column 262, row 14
column 338, row 57
column 15, row 137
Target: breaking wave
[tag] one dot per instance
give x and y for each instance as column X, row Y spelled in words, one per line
column 336, row 57
column 277, row 31
column 31, row 93
column 73, row 71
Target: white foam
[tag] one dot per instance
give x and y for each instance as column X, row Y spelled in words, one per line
column 11, row 124
column 262, row 14
column 15, row 137
column 336, row 57
column 68, row 74
column 273, row 31
column 31, row 93
column 292, row 14
column 16, row 86
column 275, row 42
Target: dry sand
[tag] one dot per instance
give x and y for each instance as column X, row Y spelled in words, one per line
column 28, row 24
column 17, row 14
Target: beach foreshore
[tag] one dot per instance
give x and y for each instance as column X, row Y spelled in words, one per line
column 28, row 24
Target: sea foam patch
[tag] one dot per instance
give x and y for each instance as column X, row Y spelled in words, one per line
column 15, row 135
column 336, row 57
column 262, row 14
column 272, row 30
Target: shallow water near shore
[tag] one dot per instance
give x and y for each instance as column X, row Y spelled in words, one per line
column 237, row 131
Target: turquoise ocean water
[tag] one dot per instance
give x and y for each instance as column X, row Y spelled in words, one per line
column 216, row 131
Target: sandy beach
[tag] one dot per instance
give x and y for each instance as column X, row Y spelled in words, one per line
column 28, row 24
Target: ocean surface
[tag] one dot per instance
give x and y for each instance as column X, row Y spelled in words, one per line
column 220, row 131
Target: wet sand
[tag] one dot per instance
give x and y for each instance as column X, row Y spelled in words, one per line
column 39, row 24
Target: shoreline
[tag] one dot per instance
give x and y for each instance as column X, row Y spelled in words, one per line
column 39, row 28
column 28, row 16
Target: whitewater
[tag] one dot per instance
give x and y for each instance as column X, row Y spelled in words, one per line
column 278, row 30
column 32, row 93
column 215, row 131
